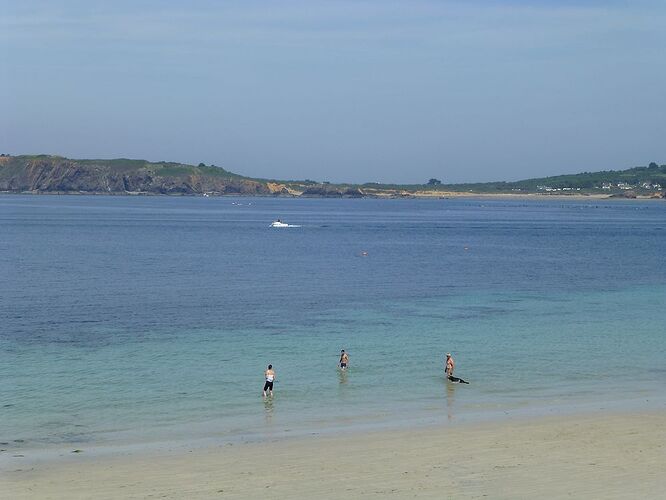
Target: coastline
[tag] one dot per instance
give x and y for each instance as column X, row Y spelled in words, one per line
column 419, row 195
column 613, row 455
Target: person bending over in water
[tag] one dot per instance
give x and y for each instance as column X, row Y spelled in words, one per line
column 269, row 374
column 344, row 359
column 450, row 365
column 448, row 370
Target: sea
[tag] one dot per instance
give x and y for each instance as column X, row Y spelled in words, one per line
column 129, row 320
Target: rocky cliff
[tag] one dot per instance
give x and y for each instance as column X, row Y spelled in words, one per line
column 54, row 174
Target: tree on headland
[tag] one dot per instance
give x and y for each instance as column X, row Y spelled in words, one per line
column 653, row 165
column 202, row 165
column 434, row 182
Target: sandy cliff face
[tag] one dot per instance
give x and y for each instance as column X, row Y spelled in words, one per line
column 60, row 175
column 277, row 188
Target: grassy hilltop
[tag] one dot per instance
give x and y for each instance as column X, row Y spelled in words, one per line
column 56, row 174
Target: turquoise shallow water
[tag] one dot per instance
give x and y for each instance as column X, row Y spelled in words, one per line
column 152, row 319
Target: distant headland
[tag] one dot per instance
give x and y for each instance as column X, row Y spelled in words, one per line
column 47, row 174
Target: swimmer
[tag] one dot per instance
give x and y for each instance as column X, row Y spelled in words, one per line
column 457, row 380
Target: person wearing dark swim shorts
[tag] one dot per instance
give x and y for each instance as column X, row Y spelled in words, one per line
column 344, row 359
column 269, row 375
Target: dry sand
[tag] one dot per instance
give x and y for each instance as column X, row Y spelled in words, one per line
column 618, row 456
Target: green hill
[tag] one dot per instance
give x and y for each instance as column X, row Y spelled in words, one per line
column 55, row 174
column 641, row 179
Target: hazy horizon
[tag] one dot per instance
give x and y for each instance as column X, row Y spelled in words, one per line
column 394, row 92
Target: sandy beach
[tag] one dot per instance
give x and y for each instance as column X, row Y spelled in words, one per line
column 592, row 456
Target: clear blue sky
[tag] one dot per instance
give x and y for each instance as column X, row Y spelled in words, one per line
column 394, row 91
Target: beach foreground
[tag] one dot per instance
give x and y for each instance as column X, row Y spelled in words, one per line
column 592, row 456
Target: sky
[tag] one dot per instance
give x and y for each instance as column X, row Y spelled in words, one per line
column 357, row 91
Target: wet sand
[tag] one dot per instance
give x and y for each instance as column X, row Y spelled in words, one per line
column 592, row 456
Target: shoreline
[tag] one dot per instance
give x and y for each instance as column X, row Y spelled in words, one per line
column 430, row 195
column 209, row 434
column 604, row 455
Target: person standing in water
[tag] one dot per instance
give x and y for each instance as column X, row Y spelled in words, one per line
column 344, row 359
column 449, row 366
column 269, row 375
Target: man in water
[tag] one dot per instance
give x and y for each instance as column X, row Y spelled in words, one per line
column 269, row 374
column 344, row 359
column 450, row 365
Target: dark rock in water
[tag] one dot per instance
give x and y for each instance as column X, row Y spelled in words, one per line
column 353, row 193
column 77, row 451
column 322, row 190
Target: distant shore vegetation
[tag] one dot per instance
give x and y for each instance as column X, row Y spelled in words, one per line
column 56, row 174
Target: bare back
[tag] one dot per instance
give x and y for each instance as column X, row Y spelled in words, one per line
column 450, row 365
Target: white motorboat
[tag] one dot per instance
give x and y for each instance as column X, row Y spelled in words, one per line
column 279, row 223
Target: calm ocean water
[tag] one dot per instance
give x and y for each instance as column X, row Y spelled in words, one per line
column 125, row 319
